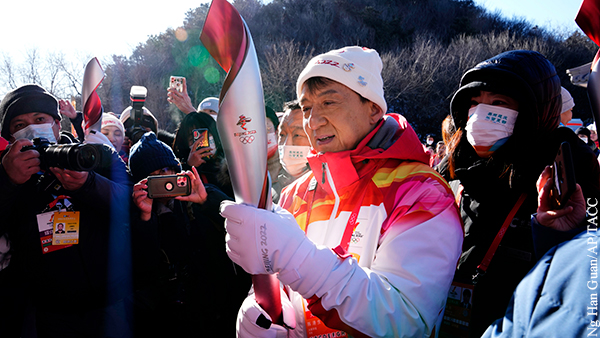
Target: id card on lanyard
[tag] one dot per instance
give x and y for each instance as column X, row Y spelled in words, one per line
column 457, row 315
column 58, row 228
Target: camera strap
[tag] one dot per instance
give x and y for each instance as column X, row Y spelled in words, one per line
column 59, row 198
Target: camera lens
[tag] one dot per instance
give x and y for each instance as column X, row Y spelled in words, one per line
column 86, row 157
column 75, row 156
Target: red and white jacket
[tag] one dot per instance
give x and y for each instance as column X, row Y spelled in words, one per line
column 406, row 240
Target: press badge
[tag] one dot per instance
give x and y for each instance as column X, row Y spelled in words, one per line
column 45, row 223
column 457, row 315
column 66, row 228
column 58, row 225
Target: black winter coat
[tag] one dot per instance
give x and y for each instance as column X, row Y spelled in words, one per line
column 86, row 276
column 186, row 285
column 492, row 186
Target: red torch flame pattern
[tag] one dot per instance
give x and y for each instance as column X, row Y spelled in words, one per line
column 92, row 107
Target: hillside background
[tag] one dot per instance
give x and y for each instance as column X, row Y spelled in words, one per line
column 425, row 45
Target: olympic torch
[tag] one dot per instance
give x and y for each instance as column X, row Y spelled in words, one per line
column 241, row 124
column 92, row 107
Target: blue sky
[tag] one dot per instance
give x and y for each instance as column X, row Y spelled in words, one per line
column 554, row 14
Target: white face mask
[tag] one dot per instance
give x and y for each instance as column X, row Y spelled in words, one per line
column 489, row 127
column 32, row 131
column 584, row 139
column 293, row 158
column 212, row 144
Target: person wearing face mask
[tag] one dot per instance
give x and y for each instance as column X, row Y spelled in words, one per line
column 585, row 135
column 210, row 161
column 210, row 105
column 273, row 161
column 293, row 146
column 429, row 140
column 33, row 198
column 501, row 105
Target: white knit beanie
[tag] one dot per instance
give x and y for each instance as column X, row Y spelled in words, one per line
column 358, row 68
column 109, row 119
column 211, row 103
column 567, row 100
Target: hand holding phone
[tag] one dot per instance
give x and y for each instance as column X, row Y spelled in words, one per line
column 563, row 177
column 177, row 83
column 201, row 134
column 160, row 186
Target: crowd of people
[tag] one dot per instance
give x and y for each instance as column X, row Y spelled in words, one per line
column 372, row 232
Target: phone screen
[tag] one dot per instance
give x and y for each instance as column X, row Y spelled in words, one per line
column 177, row 83
column 563, row 176
column 201, row 133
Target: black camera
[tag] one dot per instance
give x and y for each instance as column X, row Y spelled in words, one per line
column 138, row 98
column 73, row 156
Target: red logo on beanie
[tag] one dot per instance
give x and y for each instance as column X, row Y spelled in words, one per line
column 328, row 62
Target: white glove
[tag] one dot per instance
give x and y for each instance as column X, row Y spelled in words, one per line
column 96, row 137
column 258, row 240
column 265, row 242
column 253, row 321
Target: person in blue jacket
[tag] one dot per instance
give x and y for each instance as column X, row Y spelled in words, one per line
column 558, row 297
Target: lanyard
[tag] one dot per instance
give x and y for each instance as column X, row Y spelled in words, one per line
column 342, row 248
column 351, row 225
column 56, row 200
column 482, row 268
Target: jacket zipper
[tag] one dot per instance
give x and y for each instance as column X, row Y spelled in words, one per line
column 336, row 205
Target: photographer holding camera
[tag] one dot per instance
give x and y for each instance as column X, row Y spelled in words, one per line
column 39, row 185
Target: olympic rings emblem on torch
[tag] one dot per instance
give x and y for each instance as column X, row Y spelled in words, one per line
column 247, row 139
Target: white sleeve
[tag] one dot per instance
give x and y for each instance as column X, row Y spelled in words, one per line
column 404, row 292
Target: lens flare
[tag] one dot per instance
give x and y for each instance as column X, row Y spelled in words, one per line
column 211, row 75
column 181, row 34
column 198, row 56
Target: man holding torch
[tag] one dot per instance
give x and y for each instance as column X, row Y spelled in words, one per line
column 367, row 243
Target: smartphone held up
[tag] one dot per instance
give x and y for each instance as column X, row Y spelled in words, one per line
column 177, row 83
column 563, row 177
column 205, row 141
column 161, row 186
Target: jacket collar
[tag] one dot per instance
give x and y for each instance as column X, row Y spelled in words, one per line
column 392, row 138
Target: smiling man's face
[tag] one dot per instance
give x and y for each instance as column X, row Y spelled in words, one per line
column 336, row 118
